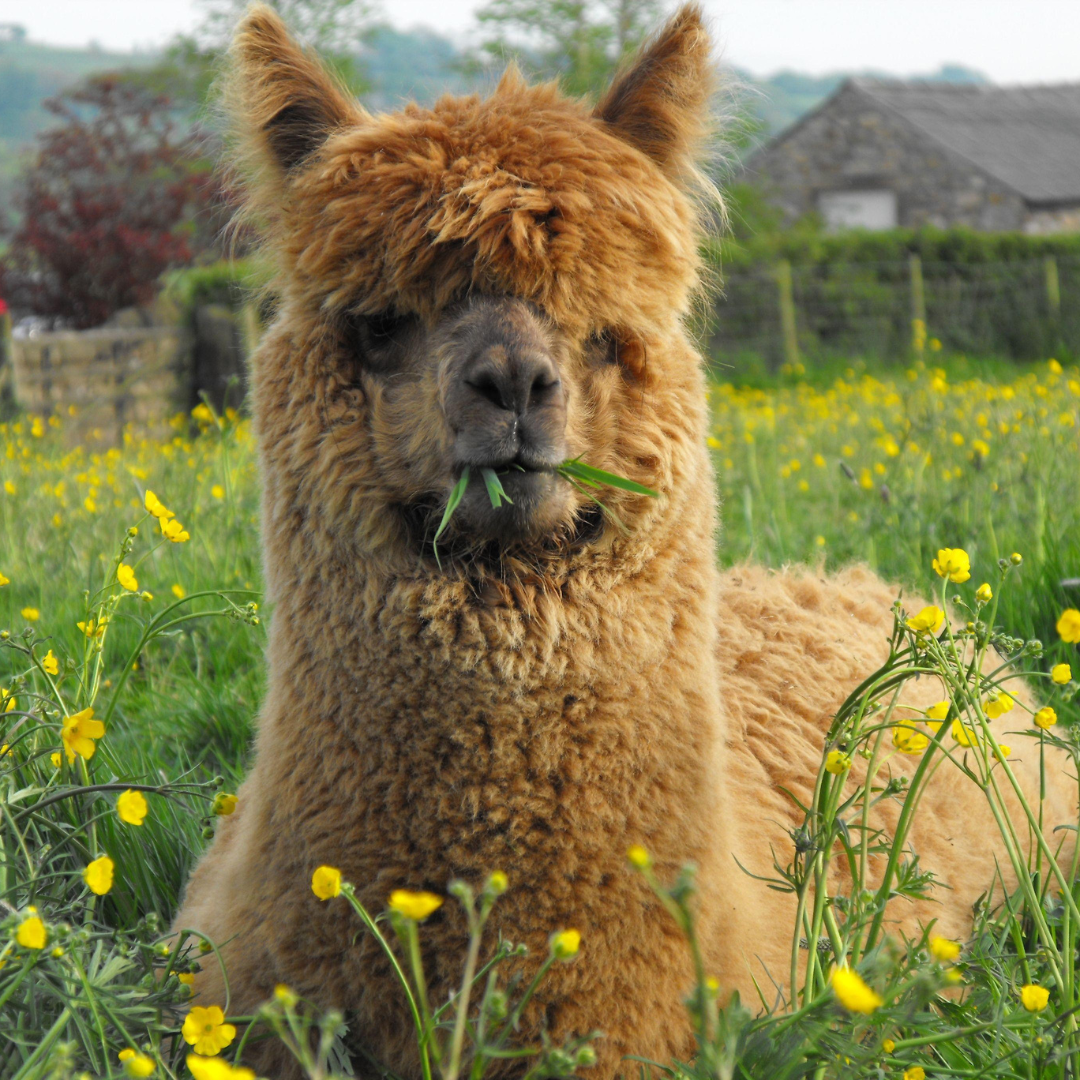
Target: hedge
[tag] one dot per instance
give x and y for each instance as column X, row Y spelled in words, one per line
column 988, row 294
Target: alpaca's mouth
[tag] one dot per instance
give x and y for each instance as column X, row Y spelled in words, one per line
column 535, row 504
column 538, row 518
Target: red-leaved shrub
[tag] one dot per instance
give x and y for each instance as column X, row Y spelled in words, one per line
column 115, row 195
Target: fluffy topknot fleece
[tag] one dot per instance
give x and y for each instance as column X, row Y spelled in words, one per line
column 537, row 706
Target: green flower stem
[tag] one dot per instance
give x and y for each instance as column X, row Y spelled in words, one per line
column 418, row 1022
column 412, row 944
column 21, row 840
column 27, row 968
column 188, row 932
column 44, row 1046
column 67, row 793
column 157, row 626
column 511, row 1022
column 458, row 1038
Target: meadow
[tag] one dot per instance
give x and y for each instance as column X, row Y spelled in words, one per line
column 130, row 587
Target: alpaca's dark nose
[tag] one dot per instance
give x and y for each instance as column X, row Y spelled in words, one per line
column 504, row 398
column 511, row 381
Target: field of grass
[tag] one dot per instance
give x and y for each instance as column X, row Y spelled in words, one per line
column 886, row 468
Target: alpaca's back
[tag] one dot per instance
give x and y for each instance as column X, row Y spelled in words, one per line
column 792, row 646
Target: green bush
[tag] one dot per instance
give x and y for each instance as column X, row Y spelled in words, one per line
column 230, row 282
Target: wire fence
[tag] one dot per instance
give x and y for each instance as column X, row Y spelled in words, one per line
column 1021, row 309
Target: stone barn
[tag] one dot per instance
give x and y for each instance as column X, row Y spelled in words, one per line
column 879, row 154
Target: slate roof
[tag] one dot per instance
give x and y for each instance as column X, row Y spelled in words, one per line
column 1026, row 136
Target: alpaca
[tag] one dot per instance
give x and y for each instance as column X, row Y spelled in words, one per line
column 505, row 283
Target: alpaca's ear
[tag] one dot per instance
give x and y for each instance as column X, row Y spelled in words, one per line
column 284, row 102
column 660, row 102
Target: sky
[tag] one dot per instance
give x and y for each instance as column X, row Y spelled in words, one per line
column 1011, row 41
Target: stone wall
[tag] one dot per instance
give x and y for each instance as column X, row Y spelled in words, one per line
column 1044, row 220
column 853, row 143
column 112, row 376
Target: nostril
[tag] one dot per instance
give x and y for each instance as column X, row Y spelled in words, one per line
column 487, row 387
column 543, row 382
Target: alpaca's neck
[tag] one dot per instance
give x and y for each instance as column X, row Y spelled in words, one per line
column 569, row 718
column 500, row 642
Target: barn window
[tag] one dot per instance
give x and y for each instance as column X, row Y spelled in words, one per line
column 858, row 209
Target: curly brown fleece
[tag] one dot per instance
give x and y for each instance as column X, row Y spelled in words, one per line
column 541, row 711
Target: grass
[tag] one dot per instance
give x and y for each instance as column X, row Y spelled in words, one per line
column 881, row 467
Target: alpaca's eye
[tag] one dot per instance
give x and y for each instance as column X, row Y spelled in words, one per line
column 605, row 346
column 617, row 347
column 384, row 326
column 377, row 340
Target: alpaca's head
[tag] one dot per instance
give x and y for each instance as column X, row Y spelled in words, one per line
column 497, row 283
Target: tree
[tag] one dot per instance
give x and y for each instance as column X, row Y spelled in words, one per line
column 113, row 198
column 337, row 29
column 580, row 42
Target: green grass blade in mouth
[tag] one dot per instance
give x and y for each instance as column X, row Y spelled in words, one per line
column 594, row 477
column 574, row 472
column 496, row 492
column 456, row 496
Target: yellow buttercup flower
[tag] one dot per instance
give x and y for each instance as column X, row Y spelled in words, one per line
column 414, row 905
column 30, row 614
column 285, row 995
column 326, row 882
column 98, row 875
column 205, row 1030
column 936, row 714
column 1061, row 673
column 126, row 1053
column 1068, row 626
column 126, row 576
column 8, row 700
column 916, row 1072
column 217, row 491
column 187, row 978
column 1034, row 998
column 963, row 734
column 929, row 620
column 179, row 592
column 224, row 804
column 944, row 950
column 1045, row 718
column 998, row 705
column 155, row 506
column 4, row 581
column 954, row 564
column 139, row 1066
column 638, row 856
column 78, row 734
column 93, row 628
column 565, row 944
column 853, row 993
column 984, row 594
column 131, row 807
column 498, row 883
column 888, row 1046
column 908, row 739
column 215, row 1068
column 837, row 762
column 31, row 933
column 174, row 531
column 50, row 663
